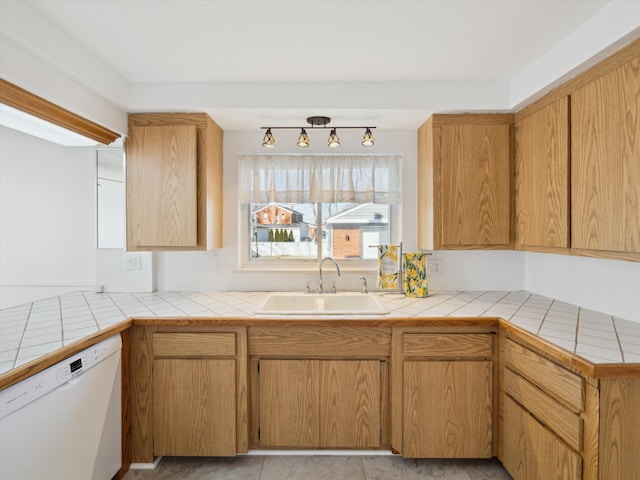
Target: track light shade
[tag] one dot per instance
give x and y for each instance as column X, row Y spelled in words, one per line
column 268, row 140
column 367, row 140
column 303, row 139
column 334, row 141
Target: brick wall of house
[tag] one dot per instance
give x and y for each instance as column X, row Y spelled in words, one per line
column 346, row 243
column 274, row 216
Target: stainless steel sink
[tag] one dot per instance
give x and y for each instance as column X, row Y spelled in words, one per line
column 293, row 303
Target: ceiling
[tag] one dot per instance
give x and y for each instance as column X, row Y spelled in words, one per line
column 315, row 43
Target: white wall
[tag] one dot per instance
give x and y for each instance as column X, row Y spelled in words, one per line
column 218, row 270
column 47, row 218
column 612, row 27
column 611, row 286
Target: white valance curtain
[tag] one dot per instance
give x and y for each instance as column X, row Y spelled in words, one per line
column 320, row 178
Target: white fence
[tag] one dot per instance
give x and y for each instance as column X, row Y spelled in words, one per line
column 287, row 249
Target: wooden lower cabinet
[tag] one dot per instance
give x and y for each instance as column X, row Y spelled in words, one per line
column 532, row 452
column 194, row 407
column 320, row 403
column 447, row 409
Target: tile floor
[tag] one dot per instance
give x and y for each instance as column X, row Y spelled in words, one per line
column 320, row 468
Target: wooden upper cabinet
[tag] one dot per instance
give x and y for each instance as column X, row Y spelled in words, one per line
column 464, row 182
column 605, row 163
column 542, row 178
column 162, row 170
column 174, row 182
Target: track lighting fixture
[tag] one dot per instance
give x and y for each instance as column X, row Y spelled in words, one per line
column 268, row 140
column 317, row 123
column 334, row 141
column 303, row 139
column 367, row 140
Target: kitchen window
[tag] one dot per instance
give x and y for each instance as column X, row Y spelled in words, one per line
column 303, row 208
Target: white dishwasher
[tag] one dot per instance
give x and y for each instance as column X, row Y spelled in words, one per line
column 64, row 423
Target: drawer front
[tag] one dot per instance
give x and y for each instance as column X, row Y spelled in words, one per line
column 566, row 424
column 531, row 452
column 194, row 344
column 458, row 345
column 563, row 385
column 319, row 342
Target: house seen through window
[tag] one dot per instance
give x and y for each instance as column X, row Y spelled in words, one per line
column 302, row 230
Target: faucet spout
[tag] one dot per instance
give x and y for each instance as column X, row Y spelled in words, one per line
column 320, row 286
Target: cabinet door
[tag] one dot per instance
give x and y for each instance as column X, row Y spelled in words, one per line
column 162, row 187
column 447, row 409
column 532, row 452
column 475, row 176
column 542, row 178
column 320, row 403
column 289, row 403
column 605, row 162
column 194, row 407
column 350, row 403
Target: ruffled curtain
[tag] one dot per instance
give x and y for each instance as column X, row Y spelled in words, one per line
column 320, row 178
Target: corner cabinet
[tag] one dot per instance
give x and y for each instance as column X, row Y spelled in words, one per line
column 174, row 182
column 464, row 182
column 542, row 179
column 544, row 407
column 605, row 164
column 557, row 422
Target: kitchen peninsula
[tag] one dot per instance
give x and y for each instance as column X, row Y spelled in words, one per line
column 510, row 357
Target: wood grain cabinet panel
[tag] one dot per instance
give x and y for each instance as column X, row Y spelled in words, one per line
column 564, row 423
column 619, row 423
column 459, row 345
column 320, row 403
column 202, row 344
column 161, row 187
column 464, row 182
column 605, row 163
column 289, row 403
column 350, row 404
column 560, row 383
column 447, row 409
column 194, row 407
column 531, row 452
column 174, row 182
column 542, row 178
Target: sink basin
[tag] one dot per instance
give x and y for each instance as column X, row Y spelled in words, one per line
column 292, row 303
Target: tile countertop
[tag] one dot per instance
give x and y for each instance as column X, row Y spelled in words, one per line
column 30, row 331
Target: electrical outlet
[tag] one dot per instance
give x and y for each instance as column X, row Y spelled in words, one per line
column 433, row 267
column 133, row 261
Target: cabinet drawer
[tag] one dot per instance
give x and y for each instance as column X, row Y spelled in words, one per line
column 566, row 424
column 194, row 344
column 565, row 386
column 531, row 452
column 319, row 342
column 458, row 345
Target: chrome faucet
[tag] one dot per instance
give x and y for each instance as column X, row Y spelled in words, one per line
column 320, row 287
column 364, row 285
